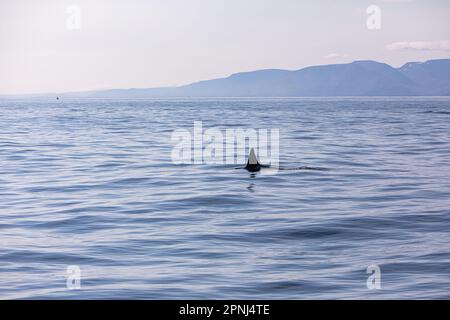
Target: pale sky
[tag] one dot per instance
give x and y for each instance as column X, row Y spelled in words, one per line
column 152, row 43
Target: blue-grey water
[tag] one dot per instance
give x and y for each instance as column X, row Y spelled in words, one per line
column 91, row 183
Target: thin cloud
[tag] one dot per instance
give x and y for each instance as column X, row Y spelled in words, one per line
column 336, row 55
column 396, row 1
column 443, row 45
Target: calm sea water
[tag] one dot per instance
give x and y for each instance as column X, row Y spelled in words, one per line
column 91, row 183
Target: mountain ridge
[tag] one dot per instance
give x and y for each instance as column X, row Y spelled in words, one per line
column 357, row 78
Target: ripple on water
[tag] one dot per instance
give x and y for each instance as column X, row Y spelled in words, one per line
column 91, row 183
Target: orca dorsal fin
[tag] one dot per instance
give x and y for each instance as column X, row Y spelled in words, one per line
column 253, row 163
column 252, row 159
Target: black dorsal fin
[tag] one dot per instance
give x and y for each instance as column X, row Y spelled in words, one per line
column 252, row 162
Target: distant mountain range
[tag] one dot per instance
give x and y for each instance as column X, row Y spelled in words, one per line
column 359, row 78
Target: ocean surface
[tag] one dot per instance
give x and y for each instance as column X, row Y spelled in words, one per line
column 91, row 183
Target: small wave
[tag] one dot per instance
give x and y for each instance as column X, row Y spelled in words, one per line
column 438, row 112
